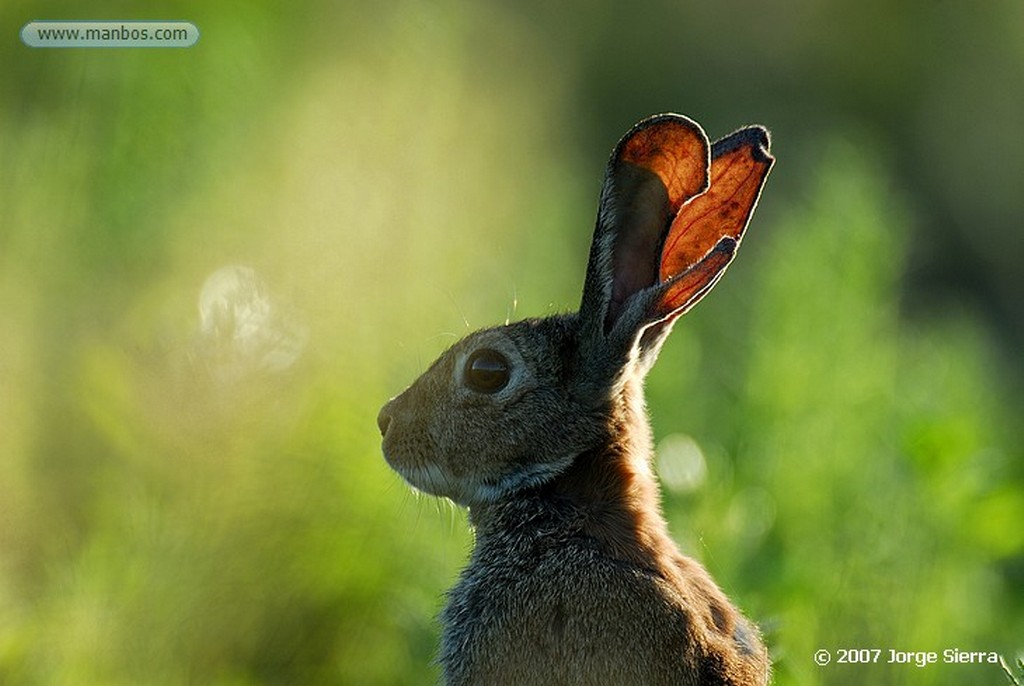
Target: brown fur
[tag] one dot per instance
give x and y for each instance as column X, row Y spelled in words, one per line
column 613, row 501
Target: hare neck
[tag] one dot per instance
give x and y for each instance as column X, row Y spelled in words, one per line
column 608, row 494
column 617, row 498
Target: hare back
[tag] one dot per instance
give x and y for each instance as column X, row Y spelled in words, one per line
column 551, row 607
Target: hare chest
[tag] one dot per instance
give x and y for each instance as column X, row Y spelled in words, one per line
column 571, row 616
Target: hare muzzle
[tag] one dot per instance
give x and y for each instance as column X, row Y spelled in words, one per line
column 384, row 421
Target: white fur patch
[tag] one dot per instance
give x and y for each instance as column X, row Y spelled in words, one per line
column 433, row 480
column 527, row 477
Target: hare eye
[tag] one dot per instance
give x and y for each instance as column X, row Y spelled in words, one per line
column 487, row 371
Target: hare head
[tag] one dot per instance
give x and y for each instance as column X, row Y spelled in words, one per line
column 512, row 407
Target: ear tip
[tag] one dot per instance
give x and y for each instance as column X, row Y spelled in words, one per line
column 757, row 137
column 669, row 118
column 727, row 245
column 666, row 122
column 763, row 139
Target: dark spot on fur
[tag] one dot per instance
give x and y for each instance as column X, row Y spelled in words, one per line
column 558, row 620
column 720, row 616
column 745, row 639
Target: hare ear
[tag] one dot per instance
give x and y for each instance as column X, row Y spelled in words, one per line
column 658, row 166
column 706, row 232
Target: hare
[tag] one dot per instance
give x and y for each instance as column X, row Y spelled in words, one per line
column 539, row 428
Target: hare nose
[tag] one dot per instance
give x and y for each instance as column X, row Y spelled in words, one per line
column 384, row 420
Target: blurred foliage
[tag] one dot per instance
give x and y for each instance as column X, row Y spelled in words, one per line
column 864, row 480
column 191, row 489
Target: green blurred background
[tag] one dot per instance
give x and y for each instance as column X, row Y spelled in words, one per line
column 216, row 263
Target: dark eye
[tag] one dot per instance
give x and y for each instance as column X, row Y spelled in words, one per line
column 487, row 371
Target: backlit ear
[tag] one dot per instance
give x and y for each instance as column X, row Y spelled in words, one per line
column 707, row 230
column 655, row 169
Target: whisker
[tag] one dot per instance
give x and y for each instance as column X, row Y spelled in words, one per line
column 462, row 314
column 510, row 313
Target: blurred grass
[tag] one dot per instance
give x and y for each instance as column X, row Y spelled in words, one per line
column 175, row 509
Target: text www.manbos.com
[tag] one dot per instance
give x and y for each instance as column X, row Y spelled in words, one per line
column 109, row 34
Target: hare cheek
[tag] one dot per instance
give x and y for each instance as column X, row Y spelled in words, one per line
column 421, row 472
